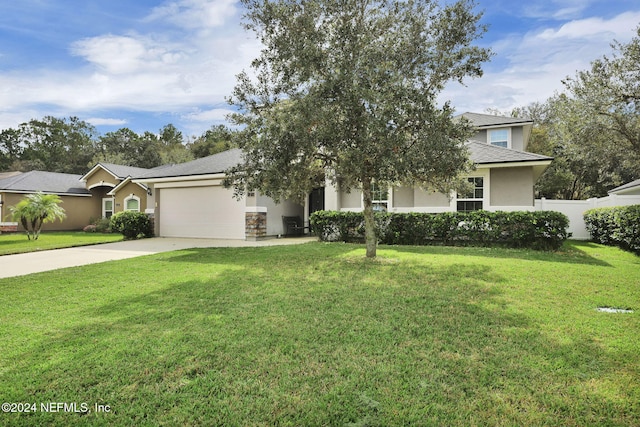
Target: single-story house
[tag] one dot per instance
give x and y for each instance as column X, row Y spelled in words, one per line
column 629, row 189
column 101, row 192
column 77, row 201
column 189, row 200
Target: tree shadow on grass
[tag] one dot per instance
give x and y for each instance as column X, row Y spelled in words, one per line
column 329, row 341
column 570, row 253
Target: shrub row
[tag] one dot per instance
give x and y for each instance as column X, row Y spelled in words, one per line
column 537, row 230
column 616, row 226
column 101, row 225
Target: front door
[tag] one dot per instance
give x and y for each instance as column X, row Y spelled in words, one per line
column 316, row 200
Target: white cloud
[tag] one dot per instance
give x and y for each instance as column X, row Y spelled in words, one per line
column 195, row 14
column 592, row 28
column 183, row 57
column 198, row 121
column 213, row 115
column 98, row 121
column 158, row 71
column 126, row 54
column 556, row 9
column 531, row 67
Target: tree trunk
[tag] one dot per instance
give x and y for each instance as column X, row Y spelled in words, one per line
column 370, row 238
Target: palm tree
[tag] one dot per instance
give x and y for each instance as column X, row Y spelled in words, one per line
column 36, row 209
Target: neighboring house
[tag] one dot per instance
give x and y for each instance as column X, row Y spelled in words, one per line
column 630, row 189
column 189, row 200
column 101, row 192
column 77, row 201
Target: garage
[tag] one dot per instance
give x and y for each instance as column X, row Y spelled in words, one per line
column 202, row 212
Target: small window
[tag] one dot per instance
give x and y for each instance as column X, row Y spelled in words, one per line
column 472, row 200
column 107, row 208
column 499, row 138
column 379, row 198
column 132, row 203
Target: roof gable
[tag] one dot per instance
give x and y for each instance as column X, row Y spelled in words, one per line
column 119, row 172
column 124, row 184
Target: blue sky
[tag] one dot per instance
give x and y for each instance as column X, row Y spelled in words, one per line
column 143, row 64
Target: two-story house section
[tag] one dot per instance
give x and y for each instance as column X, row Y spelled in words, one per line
column 503, row 179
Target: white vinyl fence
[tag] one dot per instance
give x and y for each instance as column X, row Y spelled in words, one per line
column 575, row 210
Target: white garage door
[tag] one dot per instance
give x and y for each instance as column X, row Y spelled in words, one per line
column 208, row 212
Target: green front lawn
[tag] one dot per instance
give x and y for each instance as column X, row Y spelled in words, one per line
column 315, row 335
column 15, row 243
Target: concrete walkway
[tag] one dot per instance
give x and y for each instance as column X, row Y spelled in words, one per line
column 35, row 262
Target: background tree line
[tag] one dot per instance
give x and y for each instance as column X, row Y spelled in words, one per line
column 592, row 129
column 71, row 145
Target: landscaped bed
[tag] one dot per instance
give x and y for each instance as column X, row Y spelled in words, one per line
column 315, row 334
column 15, row 243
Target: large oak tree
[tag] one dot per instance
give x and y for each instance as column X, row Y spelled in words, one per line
column 346, row 91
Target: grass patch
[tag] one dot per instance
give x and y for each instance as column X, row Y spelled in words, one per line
column 317, row 335
column 16, row 243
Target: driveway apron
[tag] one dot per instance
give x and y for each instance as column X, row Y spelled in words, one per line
column 36, row 262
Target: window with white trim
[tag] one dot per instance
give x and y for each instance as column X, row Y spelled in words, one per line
column 107, row 207
column 499, row 137
column 132, row 203
column 379, row 198
column 471, row 200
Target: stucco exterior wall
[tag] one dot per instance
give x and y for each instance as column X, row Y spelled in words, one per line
column 481, row 135
column 275, row 212
column 9, row 199
column 79, row 210
column 102, row 177
column 517, row 138
column 128, row 190
column 430, row 199
column 352, row 200
column 512, row 187
column 403, row 197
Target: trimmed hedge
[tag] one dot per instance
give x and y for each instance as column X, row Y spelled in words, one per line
column 616, row 226
column 132, row 224
column 537, row 230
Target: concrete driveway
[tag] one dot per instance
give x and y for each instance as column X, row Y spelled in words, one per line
column 35, row 262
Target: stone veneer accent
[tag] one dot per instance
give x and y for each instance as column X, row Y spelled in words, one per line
column 255, row 225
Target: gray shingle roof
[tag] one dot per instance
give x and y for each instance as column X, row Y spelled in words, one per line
column 47, row 182
column 216, row 163
column 480, row 153
column 626, row 186
column 123, row 171
column 483, row 153
column 487, row 120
